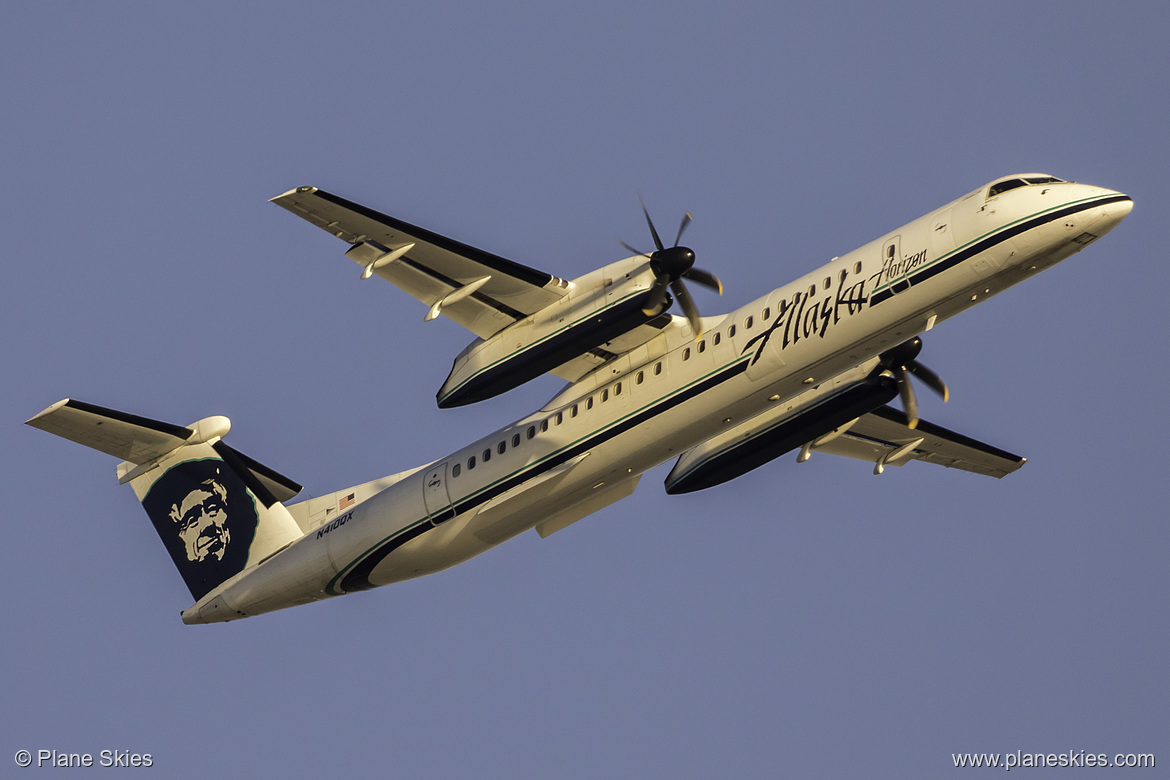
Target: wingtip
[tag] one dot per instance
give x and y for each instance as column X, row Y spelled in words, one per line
column 48, row 410
column 295, row 191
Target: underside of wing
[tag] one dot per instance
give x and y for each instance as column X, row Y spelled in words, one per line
column 883, row 438
column 142, row 441
column 481, row 291
column 125, row 436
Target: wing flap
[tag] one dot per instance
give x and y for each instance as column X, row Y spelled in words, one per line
column 885, row 430
column 435, row 266
column 480, row 315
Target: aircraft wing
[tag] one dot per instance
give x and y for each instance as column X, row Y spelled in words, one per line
column 481, row 291
column 878, row 436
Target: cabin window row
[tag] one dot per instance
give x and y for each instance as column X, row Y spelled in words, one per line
column 717, row 337
column 557, row 419
column 827, row 282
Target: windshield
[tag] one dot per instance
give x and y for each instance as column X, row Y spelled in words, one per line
column 1003, row 186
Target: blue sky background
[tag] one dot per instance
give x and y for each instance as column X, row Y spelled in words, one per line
column 811, row 620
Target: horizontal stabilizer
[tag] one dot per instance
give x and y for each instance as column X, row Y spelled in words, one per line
column 126, row 436
column 140, row 440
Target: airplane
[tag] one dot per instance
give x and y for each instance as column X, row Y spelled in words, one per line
column 812, row 367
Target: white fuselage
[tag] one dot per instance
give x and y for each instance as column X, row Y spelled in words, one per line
column 589, row 445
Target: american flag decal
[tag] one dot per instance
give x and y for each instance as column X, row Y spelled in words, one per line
column 345, row 501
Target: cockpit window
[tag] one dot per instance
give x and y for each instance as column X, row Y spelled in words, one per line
column 1001, row 187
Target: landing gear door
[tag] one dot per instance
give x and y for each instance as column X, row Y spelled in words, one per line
column 435, row 495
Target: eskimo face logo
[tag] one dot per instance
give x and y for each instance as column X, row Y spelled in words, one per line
column 207, row 519
column 202, row 520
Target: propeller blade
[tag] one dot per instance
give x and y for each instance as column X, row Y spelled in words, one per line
column 906, row 391
column 669, row 267
column 688, row 306
column 901, row 361
column 705, row 278
column 930, row 379
column 657, row 297
column 650, row 222
column 686, row 220
column 631, row 249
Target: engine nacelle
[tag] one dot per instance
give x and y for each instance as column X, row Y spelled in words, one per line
column 813, row 414
column 599, row 307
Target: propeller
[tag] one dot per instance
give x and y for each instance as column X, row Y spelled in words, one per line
column 902, row 361
column 670, row 266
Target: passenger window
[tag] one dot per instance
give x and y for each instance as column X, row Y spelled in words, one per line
column 687, row 353
column 857, row 267
column 531, row 431
column 501, row 447
column 716, row 339
column 731, row 332
column 747, row 325
column 573, row 413
column 589, row 403
column 812, row 291
column 605, row 395
column 617, row 389
column 827, row 283
column 767, row 313
column 487, row 455
column 560, row 417
column 703, row 344
column 544, row 425
column 658, row 368
column 516, row 440
column 471, row 463
column 456, row 469
column 640, row 378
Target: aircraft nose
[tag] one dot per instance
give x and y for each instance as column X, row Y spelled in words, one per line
column 1113, row 212
column 1123, row 207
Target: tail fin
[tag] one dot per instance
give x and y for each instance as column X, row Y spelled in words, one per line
column 216, row 510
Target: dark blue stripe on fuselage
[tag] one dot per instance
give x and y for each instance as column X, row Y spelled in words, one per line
column 358, row 577
column 987, row 243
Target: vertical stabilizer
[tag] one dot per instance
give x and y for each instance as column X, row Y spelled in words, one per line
column 216, row 510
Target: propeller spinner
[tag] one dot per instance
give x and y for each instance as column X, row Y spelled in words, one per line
column 670, row 266
column 902, row 361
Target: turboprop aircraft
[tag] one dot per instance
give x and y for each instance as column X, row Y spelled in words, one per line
column 809, row 367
